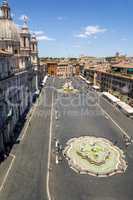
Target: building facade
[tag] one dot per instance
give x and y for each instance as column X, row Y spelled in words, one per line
column 63, row 69
column 117, row 80
column 52, row 68
column 19, row 67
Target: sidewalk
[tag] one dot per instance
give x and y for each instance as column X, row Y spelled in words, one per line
column 28, row 119
column 26, row 167
column 4, row 166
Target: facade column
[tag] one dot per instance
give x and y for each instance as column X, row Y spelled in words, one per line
column 37, row 89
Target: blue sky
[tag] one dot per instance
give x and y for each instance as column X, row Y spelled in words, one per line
column 79, row 27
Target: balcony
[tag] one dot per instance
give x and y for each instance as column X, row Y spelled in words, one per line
column 6, row 76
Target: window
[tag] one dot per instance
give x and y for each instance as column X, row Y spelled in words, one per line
column 24, row 41
column 16, row 51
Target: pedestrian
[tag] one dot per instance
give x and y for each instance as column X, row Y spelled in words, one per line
column 131, row 139
column 124, row 137
column 126, row 145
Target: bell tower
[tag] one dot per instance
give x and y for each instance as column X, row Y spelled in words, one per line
column 35, row 60
column 25, row 39
column 34, row 49
column 6, row 11
column 25, row 35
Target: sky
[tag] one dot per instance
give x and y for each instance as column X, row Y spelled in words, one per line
column 78, row 27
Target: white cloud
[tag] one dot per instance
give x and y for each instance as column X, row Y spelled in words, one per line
column 81, row 36
column 60, row 18
column 76, row 46
column 19, row 26
column 44, row 37
column 124, row 39
column 38, row 33
column 23, row 16
column 91, row 31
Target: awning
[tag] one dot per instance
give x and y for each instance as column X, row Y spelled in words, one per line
column 44, row 80
column 125, row 107
column 96, row 87
column 111, row 97
column 82, row 77
column 37, row 92
column 88, row 82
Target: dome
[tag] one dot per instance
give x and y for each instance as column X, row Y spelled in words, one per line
column 9, row 31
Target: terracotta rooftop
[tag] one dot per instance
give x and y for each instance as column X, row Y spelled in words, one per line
column 123, row 65
column 63, row 63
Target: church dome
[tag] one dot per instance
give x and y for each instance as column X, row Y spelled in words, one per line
column 9, row 31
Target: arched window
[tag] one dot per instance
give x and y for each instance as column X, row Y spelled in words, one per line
column 16, row 51
column 24, row 41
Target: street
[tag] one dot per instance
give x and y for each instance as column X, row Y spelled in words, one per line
column 74, row 121
column 35, row 173
column 27, row 177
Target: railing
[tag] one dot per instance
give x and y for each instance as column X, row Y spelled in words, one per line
column 2, row 78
